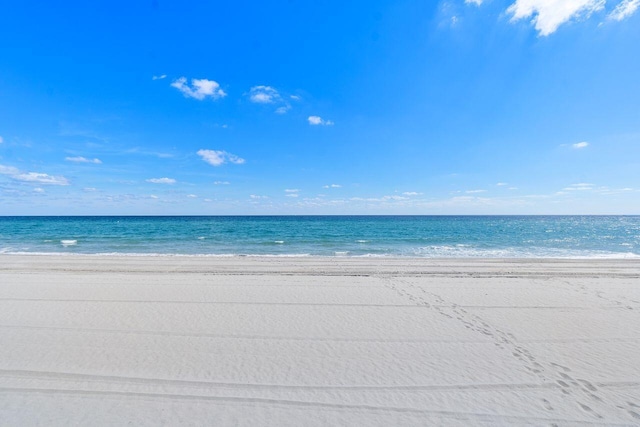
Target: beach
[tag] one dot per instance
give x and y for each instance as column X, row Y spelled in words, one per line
column 375, row 341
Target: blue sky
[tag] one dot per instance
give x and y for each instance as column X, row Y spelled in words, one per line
column 325, row 107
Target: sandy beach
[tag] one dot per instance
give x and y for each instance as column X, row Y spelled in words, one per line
column 99, row 340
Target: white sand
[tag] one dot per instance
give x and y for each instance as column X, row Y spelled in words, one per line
column 313, row 341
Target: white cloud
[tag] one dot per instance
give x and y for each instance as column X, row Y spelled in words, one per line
column 624, row 9
column 579, row 145
column 8, row 170
column 89, row 189
column 257, row 197
column 41, row 178
column 160, row 77
column 332, row 186
column 283, row 109
column 548, row 15
column 221, row 183
column 582, row 186
column 263, row 95
column 38, row 190
column 475, row 191
column 476, row 2
column 218, row 158
column 501, row 184
column 291, row 190
column 153, row 196
column 192, row 196
column 1, row 140
column 199, row 88
column 293, row 195
column 161, row 180
column 411, row 193
column 295, row 97
column 80, row 159
column 317, row 120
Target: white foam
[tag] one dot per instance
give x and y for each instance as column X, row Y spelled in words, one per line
column 362, row 241
column 66, row 243
column 201, row 238
column 280, row 242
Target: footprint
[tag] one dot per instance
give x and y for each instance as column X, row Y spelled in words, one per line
column 588, row 409
column 563, row 384
column 547, row 405
column 588, row 385
column 564, row 368
column 634, row 414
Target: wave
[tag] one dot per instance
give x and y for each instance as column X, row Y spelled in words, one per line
column 66, row 243
column 487, row 254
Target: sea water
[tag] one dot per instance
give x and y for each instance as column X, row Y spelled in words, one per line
column 399, row 236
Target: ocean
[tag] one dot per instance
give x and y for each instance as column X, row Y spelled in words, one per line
column 397, row 236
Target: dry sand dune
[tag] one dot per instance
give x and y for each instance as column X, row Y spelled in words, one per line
column 318, row 341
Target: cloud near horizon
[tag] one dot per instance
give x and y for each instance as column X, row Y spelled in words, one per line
column 80, row 159
column 579, row 145
column 199, row 88
column 219, row 157
column 36, row 177
column 161, row 181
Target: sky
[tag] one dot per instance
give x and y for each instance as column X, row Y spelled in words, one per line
column 327, row 107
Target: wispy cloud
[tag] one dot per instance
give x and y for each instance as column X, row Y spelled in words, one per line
column 317, row 120
column 192, row 196
column 218, row 158
column 160, row 77
column 263, row 94
column 221, row 183
column 579, row 145
column 292, row 192
column 332, row 186
column 1, row 140
column 411, row 193
column 624, row 9
column 502, row 184
column 476, row 2
column 81, row 159
column 161, row 180
column 475, row 191
column 257, row 197
column 269, row 95
column 199, row 88
column 35, row 177
column 38, row 190
column 582, row 186
column 548, row 15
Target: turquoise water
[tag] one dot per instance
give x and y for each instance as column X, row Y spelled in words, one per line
column 405, row 236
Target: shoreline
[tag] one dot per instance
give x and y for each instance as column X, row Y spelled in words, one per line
column 318, row 341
